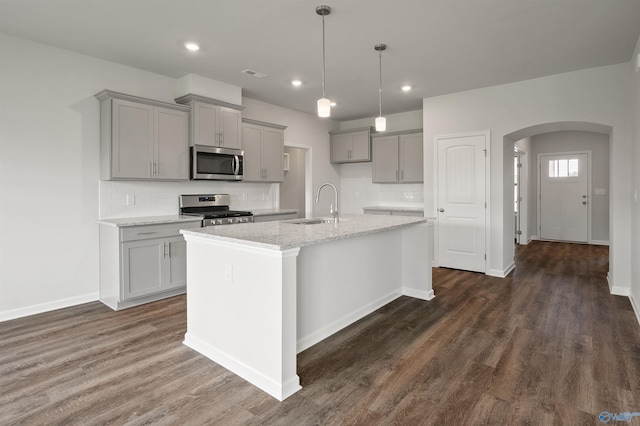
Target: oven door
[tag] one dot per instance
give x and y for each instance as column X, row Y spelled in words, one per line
column 213, row 163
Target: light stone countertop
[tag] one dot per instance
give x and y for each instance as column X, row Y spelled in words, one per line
column 266, row 212
column 395, row 208
column 148, row 220
column 283, row 235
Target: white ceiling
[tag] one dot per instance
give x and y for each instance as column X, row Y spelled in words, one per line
column 437, row 46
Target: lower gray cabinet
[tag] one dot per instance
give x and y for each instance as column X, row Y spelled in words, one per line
column 140, row 264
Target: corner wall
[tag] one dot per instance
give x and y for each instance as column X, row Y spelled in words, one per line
column 598, row 95
column 635, row 186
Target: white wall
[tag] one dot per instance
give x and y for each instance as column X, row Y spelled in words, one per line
column 635, row 186
column 356, row 188
column 50, row 192
column 598, row 95
column 572, row 141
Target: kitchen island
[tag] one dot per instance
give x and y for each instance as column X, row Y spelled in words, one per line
column 258, row 294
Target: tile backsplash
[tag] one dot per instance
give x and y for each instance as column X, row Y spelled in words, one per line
column 121, row 199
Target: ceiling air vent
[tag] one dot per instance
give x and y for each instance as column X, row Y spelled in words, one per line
column 253, row 73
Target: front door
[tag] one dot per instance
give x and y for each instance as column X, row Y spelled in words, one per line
column 564, row 197
column 461, row 201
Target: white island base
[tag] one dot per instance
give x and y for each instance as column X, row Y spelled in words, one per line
column 252, row 306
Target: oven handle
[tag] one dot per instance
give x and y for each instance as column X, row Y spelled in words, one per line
column 236, row 164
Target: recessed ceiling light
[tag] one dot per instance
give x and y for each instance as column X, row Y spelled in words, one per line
column 296, row 83
column 406, row 88
column 192, row 46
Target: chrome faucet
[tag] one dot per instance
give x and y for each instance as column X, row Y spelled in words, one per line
column 333, row 211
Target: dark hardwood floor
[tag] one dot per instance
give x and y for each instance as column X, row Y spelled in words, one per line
column 546, row 345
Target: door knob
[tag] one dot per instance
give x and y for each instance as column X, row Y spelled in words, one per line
column 441, row 210
column 584, row 202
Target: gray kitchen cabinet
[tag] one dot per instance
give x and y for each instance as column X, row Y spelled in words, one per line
column 263, row 146
column 142, row 138
column 351, row 146
column 212, row 122
column 397, row 158
column 139, row 264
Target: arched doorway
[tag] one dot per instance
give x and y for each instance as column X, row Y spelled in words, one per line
column 524, row 140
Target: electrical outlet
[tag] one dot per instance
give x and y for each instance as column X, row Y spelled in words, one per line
column 244, row 196
column 228, row 273
column 131, row 200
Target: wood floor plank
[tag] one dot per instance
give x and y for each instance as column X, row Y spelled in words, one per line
column 546, row 345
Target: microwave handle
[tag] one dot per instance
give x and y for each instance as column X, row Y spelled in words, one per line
column 236, row 165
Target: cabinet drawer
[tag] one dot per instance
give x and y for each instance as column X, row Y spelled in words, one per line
column 143, row 232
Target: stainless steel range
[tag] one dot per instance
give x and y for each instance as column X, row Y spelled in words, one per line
column 213, row 209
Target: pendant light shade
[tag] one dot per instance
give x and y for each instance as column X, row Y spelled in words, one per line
column 324, row 104
column 381, row 122
column 324, row 107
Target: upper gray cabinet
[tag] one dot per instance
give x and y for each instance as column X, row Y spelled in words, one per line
column 263, row 146
column 351, row 146
column 212, row 122
column 397, row 158
column 142, row 138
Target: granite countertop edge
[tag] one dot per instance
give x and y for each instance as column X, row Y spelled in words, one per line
column 147, row 220
column 397, row 208
column 285, row 235
column 267, row 212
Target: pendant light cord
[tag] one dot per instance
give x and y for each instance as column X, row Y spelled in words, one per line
column 380, row 84
column 323, row 57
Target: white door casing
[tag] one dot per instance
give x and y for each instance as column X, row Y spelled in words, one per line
column 563, row 194
column 461, row 201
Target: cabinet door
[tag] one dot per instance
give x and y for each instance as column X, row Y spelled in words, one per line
column 171, row 144
column 132, row 140
column 273, row 154
column 360, row 146
column 340, row 148
column 385, row 159
column 411, row 160
column 142, row 264
column 230, row 128
column 252, row 147
column 205, row 124
column 175, row 273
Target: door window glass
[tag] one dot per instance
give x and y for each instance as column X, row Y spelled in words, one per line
column 563, row 168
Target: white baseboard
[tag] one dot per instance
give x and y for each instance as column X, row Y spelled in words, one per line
column 309, row 340
column 599, row 242
column 48, row 306
column 270, row 386
column 636, row 307
column 418, row 294
column 617, row 290
column 501, row 274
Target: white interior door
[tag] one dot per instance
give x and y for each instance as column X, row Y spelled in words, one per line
column 564, row 197
column 461, row 202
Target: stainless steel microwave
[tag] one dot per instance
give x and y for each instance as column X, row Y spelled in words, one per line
column 214, row 163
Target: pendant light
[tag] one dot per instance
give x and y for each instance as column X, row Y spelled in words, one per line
column 381, row 122
column 324, row 104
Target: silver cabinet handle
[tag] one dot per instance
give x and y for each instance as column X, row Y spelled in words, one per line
column 441, row 210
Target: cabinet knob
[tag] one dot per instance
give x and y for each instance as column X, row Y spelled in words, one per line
column 441, row 210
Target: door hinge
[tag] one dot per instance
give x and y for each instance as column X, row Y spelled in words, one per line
column 485, row 204
column 485, row 256
column 519, row 165
column 518, row 232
